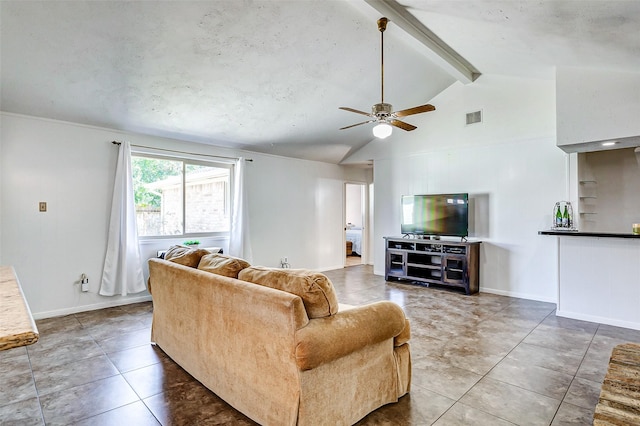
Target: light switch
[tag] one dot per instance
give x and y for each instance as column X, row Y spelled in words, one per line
column 43, row 206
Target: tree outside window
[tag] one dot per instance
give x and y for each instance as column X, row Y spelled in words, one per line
column 180, row 197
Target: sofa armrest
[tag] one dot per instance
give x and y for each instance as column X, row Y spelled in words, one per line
column 404, row 335
column 326, row 339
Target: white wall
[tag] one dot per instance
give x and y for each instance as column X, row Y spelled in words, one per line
column 597, row 105
column 354, row 195
column 295, row 209
column 509, row 165
column 1, row 156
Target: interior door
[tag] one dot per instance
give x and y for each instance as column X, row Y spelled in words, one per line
column 355, row 215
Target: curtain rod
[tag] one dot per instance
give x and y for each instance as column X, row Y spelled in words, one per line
column 184, row 152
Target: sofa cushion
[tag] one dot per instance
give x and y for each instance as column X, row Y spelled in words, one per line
column 222, row 264
column 185, row 256
column 315, row 289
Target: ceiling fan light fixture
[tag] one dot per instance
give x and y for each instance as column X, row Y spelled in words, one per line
column 382, row 113
column 382, row 130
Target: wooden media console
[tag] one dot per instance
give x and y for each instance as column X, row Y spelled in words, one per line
column 441, row 262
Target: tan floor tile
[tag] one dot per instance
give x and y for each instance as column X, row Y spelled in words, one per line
column 157, row 378
column 594, row 365
column 17, row 386
column 550, row 358
column 134, row 358
column 60, row 377
column 142, row 308
column 571, row 341
column 511, row 403
column 463, row 415
column 133, row 414
column 420, row 407
column 22, row 413
column 571, row 324
column 571, row 415
column 86, row 400
column 441, row 377
column 624, row 334
column 583, row 393
column 525, row 375
column 192, row 404
column 68, row 352
column 132, row 339
column 13, row 352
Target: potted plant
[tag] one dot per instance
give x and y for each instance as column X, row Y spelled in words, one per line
column 192, row 243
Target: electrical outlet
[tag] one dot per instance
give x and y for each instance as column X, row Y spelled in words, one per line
column 42, row 206
column 84, row 283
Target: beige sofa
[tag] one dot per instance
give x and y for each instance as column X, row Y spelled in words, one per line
column 278, row 357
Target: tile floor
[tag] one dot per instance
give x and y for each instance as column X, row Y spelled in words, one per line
column 477, row 360
column 353, row 261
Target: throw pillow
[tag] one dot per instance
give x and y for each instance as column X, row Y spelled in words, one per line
column 222, row 264
column 315, row 289
column 185, row 255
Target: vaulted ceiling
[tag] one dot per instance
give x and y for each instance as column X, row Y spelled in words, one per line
column 269, row 76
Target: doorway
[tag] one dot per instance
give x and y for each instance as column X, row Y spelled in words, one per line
column 355, row 220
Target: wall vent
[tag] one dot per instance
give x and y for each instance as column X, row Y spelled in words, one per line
column 474, row 117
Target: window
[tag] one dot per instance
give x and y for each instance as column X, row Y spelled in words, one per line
column 180, row 197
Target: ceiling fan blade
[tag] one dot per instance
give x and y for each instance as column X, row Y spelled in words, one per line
column 401, row 124
column 356, row 111
column 414, row 110
column 354, row 125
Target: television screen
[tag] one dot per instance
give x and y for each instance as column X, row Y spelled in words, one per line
column 438, row 214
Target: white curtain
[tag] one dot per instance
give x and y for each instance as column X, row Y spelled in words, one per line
column 239, row 244
column 122, row 272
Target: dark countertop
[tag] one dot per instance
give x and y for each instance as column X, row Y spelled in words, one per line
column 587, row 234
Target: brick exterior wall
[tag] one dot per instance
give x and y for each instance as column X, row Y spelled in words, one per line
column 207, row 200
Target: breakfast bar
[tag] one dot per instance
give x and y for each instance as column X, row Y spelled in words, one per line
column 599, row 277
column 17, row 327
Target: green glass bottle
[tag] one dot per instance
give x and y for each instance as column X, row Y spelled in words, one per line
column 558, row 217
column 565, row 217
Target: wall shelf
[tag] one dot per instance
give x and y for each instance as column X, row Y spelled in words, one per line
column 588, row 200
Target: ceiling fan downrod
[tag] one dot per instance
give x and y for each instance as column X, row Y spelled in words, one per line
column 382, row 26
column 383, row 113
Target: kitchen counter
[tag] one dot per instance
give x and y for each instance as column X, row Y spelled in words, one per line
column 588, row 234
column 599, row 277
column 17, row 327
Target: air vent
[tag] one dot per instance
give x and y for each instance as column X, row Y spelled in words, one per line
column 474, row 117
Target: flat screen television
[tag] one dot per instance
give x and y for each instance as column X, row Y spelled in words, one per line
column 436, row 214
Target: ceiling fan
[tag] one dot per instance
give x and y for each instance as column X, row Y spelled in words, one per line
column 382, row 113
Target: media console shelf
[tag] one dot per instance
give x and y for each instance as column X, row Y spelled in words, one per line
column 449, row 263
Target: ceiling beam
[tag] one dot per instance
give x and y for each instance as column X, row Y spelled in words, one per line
column 438, row 51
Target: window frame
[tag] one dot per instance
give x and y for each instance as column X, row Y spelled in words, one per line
column 197, row 160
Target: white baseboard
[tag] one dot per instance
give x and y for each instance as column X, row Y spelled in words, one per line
column 330, row 268
column 94, row 307
column 527, row 296
column 601, row 320
column 503, row 292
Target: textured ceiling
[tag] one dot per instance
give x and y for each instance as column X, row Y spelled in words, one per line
column 530, row 38
column 269, row 76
